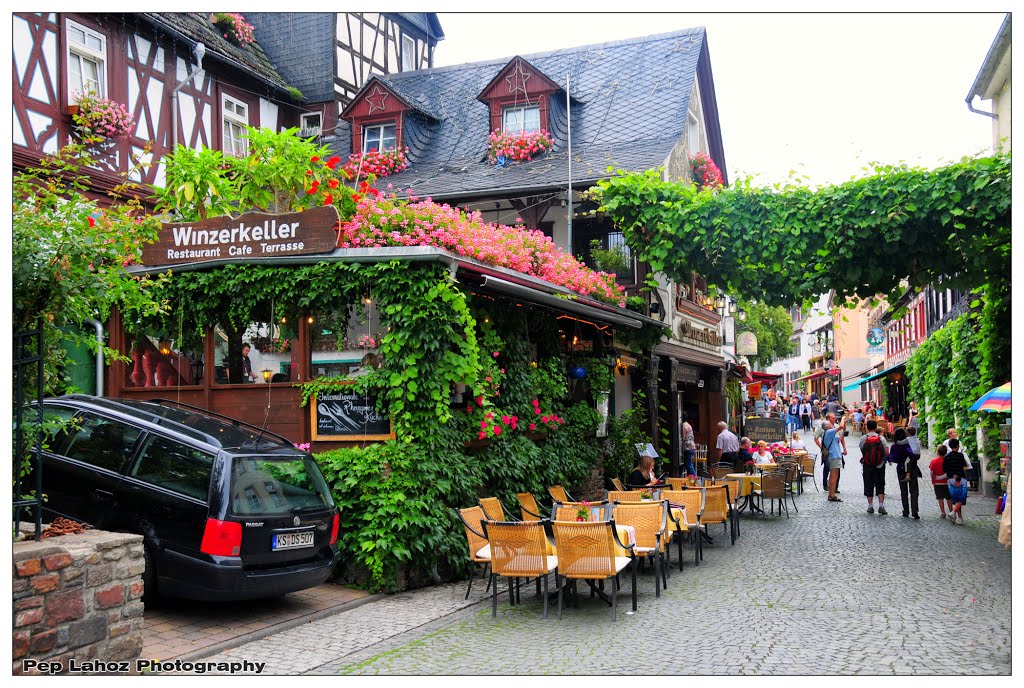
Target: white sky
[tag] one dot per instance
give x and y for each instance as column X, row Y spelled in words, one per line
column 820, row 94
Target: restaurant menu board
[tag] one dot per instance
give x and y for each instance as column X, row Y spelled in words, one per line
column 347, row 415
column 767, row 429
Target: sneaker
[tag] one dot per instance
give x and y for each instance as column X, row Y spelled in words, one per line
column 882, row 511
column 960, row 520
column 906, row 515
column 942, row 515
column 917, row 516
column 871, row 509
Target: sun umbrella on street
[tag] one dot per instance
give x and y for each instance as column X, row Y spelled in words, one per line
column 997, row 399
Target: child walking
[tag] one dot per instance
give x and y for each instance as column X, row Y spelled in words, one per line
column 939, row 480
column 955, row 466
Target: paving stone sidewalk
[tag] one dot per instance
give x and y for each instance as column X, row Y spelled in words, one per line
column 831, row 590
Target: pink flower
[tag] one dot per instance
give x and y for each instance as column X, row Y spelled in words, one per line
column 481, row 435
column 497, row 430
column 480, row 401
column 496, row 354
column 533, row 426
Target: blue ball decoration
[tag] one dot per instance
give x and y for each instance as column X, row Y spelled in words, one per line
column 578, row 373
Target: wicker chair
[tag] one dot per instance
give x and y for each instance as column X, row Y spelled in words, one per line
column 617, row 484
column 627, row 496
column 722, row 469
column 587, row 551
column 559, row 494
column 518, row 550
column 735, row 487
column 691, row 502
column 677, row 483
column 807, row 470
column 792, row 469
column 773, row 487
column 479, row 549
column 716, row 510
column 495, row 510
column 528, row 507
column 650, row 521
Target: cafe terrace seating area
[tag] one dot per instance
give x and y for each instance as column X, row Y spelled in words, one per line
column 627, row 533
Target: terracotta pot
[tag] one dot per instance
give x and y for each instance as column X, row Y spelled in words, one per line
column 72, row 109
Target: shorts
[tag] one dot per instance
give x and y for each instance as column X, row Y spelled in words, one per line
column 958, row 495
column 835, row 464
column 874, row 480
column 941, row 490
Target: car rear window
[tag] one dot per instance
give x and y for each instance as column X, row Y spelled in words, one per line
column 277, row 484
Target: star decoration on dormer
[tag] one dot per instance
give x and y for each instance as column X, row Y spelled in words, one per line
column 663, row 84
column 376, row 98
column 683, row 45
column 517, row 79
column 594, row 56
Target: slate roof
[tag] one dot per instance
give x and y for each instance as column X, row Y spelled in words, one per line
column 196, row 26
column 308, row 66
column 629, row 108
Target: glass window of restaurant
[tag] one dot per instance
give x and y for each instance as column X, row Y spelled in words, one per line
column 344, row 343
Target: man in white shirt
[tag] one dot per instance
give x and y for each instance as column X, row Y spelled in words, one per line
column 728, row 445
column 805, row 415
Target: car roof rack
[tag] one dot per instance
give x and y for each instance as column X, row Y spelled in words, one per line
column 221, row 416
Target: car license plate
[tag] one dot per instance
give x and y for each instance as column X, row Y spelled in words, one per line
column 292, row 540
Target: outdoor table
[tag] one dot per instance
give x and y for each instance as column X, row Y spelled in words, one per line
column 747, row 485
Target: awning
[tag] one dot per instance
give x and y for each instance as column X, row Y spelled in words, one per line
column 820, row 372
column 849, row 387
column 884, row 372
column 764, row 377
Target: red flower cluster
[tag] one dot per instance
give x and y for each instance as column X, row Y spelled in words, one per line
column 377, row 163
column 518, row 146
column 705, row 172
column 490, row 427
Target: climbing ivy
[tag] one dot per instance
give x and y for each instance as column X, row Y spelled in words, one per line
column 896, row 227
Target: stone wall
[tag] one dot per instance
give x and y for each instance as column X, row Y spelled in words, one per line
column 78, row 597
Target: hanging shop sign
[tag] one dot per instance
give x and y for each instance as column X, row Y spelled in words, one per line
column 348, row 415
column 689, row 375
column 253, row 235
column 767, row 429
column 876, row 336
column 704, row 337
column 746, row 344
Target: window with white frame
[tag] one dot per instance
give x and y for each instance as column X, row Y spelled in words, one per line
column 692, row 134
column 87, row 58
column 519, row 120
column 408, row 53
column 310, row 124
column 379, row 137
column 236, row 117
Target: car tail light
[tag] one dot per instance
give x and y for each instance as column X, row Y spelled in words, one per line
column 222, row 538
column 334, row 529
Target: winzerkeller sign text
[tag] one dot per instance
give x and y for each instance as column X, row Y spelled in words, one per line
column 253, row 235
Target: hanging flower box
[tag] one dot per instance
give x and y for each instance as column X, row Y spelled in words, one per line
column 378, row 163
column 100, row 118
column 511, row 147
column 233, row 27
column 705, row 172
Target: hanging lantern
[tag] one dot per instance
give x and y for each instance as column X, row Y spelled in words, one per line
column 164, row 346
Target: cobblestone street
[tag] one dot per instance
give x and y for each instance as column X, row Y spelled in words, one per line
column 830, row 590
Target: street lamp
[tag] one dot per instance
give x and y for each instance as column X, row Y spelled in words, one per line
column 720, row 304
column 267, row 373
column 732, row 307
column 742, row 315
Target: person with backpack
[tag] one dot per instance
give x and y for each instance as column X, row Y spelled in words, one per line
column 873, row 451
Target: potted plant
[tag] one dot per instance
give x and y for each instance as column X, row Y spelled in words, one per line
column 646, row 494
column 705, row 172
column 518, row 146
column 99, row 118
column 233, row 27
column 749, row 467
column 583, row 512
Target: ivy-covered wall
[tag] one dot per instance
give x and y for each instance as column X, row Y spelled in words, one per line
column 516, row 430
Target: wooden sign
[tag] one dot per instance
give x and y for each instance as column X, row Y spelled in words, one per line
column 754, row 390
column 254, row 235
column 348, row 415
column 767, row 429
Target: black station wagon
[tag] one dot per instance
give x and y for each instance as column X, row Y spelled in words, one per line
column 228, row 511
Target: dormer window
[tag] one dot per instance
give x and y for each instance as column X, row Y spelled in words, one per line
column 520, row 120
column 87, row 56
column 379, row 137
column 518, row 98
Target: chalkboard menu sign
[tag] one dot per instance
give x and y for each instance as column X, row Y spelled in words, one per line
column 348, row 415
column 767, row 429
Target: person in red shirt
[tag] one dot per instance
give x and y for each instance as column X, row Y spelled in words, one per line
column 939, row 481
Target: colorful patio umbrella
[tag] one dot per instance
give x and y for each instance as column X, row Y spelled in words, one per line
column 997, row 399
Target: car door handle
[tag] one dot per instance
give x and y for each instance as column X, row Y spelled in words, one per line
column 103, row 495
